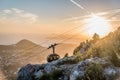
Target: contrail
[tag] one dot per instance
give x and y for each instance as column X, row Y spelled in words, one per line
column 80, row 6
column 77, row 4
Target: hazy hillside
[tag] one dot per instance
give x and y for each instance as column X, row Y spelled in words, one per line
column 16, row 55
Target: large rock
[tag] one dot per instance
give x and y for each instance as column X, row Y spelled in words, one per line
column 25, row 73
column 70, row 68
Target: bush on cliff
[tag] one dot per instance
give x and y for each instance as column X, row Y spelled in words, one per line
column 94, row 72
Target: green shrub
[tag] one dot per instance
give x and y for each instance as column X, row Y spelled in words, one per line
column 45, row 77
column 80, row 78
column 114, row 59
column 66, row 55
column 94, row 72
column 57, row 74
column 52, row 76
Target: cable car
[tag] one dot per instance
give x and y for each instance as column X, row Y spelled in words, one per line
column 53, row 56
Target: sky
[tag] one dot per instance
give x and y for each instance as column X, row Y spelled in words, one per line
column 40, row 20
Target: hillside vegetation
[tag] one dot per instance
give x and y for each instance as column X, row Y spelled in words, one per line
column 107, row 48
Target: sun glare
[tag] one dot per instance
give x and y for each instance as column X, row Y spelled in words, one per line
column 97, row 24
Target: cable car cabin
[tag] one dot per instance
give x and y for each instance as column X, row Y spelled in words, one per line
column 53, row 57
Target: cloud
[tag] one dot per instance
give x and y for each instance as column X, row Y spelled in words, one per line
column 7, row 11
column 108, row 14
column 18, row 15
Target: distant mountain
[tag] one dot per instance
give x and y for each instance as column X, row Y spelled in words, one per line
column 25, row 43
column 22, row 47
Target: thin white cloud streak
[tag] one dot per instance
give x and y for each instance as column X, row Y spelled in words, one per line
column 80, row 6
column 75, row 18
column 106, row 13
column 77, row 4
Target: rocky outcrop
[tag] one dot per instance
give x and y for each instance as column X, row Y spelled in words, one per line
column 79, row 70
column 67, row 68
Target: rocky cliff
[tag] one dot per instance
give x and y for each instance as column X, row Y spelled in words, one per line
column 69, row 68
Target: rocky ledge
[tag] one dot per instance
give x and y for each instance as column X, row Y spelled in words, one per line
column 69, row 68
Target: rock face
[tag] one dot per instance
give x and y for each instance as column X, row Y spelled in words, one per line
column 79, row 70
column 67, row 68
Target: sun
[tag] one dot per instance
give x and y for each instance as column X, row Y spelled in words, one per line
column 97, row 24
